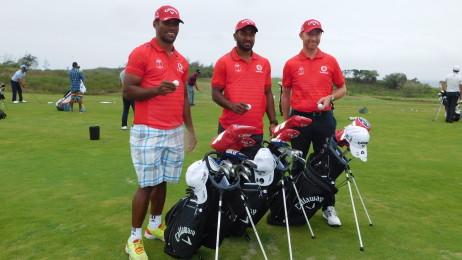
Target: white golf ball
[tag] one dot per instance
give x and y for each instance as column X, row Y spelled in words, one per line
column 319, row 106
column 176, row 83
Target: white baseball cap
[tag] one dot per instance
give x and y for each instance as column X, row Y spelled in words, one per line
column 358, row 138
column 197, row 175
column 456, row 68
column 264, row 174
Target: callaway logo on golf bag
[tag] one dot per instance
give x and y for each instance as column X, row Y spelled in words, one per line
column 2, row 114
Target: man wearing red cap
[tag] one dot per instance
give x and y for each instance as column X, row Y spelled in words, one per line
column 307, row 88
column 241, row 84
column 155, row 78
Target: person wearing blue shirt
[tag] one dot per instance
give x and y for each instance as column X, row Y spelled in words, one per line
column 76, row 77
column 18, row 80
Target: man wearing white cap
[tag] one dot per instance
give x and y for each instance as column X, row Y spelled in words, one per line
column 155, row 78
column 452, row 84
column 308, row 81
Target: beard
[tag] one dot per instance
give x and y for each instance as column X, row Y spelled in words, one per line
column 245, row 46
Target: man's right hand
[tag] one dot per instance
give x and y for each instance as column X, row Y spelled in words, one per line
column 240, row 108
column 166, row 87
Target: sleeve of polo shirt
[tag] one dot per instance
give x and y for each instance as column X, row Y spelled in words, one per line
column 136, row 63
column 219, row 75
column 185, row 73
column 338, row 79
column 287, row 76
column 268, row 82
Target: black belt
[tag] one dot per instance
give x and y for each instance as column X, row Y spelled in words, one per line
column 311, row 114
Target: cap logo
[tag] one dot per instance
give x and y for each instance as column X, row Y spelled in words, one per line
column 313, row 23
column 171, row 10
column 247, row 21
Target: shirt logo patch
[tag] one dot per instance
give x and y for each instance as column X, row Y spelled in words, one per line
column 237, row 67
column 324, row 70
column 259, row 69
column 180, row 67
column 159, row 64
column 301, row 70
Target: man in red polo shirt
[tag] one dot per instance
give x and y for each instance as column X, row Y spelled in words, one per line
column 241, row 84
column 308, row 79
column 155, row 78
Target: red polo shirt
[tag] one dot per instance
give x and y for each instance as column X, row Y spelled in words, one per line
column 311, row 79
column 245, row 82
column 150, row 62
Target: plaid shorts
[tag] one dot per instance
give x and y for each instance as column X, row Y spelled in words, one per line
column 157, row 155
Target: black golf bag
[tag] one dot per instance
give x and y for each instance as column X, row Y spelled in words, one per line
column 2, row 114
column 2, row 89
column 63, row 104
column 444, row 102
column 314, row 184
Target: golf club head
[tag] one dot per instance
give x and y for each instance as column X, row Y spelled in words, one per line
column 250, row 163
column 226, row 168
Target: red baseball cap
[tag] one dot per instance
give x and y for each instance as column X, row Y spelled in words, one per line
column 310, row 25
column 167, row 12
column 243, row 23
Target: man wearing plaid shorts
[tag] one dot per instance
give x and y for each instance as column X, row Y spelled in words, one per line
column 155, row 78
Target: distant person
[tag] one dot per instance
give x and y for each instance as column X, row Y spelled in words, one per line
column 241, row 84
column 76, row 77
column 191, row 85
column 18, row 80
column 308, row 80
column 127, row 103
column 452, row 84
column 155, row 77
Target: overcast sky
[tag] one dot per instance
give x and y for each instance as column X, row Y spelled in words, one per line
column 420, row 38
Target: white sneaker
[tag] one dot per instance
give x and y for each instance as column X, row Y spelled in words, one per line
column 23, row 101
column 15, row 102
column 331, row 215
column 124, row 127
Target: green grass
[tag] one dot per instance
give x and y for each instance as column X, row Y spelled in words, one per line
column 64, row 196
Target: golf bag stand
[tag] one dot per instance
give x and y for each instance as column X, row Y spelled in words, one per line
column 2, row 96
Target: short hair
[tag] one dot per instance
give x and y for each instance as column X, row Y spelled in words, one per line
column 74, row 64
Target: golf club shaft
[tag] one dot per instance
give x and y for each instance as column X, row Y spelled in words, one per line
column 217, row 245
column 253, row 225
column 286, row 216
column 303, row 210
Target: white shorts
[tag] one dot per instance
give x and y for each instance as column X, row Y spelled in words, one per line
column 157, row 155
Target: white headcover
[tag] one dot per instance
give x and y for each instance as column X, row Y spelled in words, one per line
column 196, row 177
column 264, row 174
column 358, row 138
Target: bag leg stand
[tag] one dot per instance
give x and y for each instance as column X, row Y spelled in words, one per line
column 4, row 105
column 303, row 209
column 217, row 245
column 438, row 113
column 360, row 197
column 286, row 215
column 253, row 225
column 354, row 212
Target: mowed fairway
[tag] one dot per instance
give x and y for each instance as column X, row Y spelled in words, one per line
column 64, row 196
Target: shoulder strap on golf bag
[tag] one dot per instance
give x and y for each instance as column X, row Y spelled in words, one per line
column 185, row 225
column 2, row 114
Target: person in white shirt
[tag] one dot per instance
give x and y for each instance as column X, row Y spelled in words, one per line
column 452, row 84
column 18, row 80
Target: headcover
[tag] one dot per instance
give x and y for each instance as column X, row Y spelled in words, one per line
column 196, row 177
column 358, row 121
column 264, row 174
column 358, row 138
column 287, row 135
column 295, row 121
column 235, row 137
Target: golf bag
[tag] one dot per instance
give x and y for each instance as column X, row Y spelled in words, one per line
column 2, row 114
column 2, row 89
column 444, row 101
column 185, row 225
column 63, row 104
column 314, row 184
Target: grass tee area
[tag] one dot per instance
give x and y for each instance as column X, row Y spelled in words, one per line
column 64, row 196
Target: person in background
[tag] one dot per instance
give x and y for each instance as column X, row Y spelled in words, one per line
column 155, row 77
column 76, row 77
column 452, row 84
column 127, row 103
column 308, row 80
column 191, row 85
column 241, row 84
column 18, row 80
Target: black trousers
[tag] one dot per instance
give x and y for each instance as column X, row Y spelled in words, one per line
column 127, row 104
column 452, row 98
column 16, row 89
column 322, row 127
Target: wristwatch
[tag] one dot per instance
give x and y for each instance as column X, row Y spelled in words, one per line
column 332, row 99
column 274, row 122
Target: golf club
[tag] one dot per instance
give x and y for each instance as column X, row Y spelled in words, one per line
column 28, row 92
column 286, row 216
column 2, row 96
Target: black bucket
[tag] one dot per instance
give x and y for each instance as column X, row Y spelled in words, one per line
column 94, row 132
